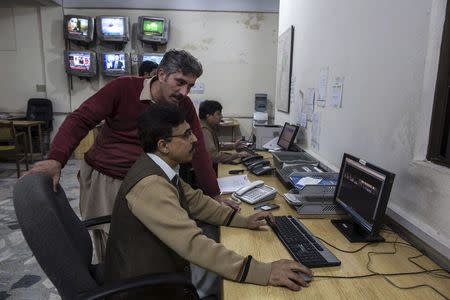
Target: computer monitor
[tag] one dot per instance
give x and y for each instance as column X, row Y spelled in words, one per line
column 153, row 29
column 113, row 28
column 80, row 63
column 155, row 57
column 362, row 191
column 79, row 28
column 115, row 63
column 287, row 136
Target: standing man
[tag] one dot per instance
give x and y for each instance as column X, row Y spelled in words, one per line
column 117, row 147
column 153, row 228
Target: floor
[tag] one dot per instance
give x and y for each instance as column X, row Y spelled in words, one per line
column 20, row 275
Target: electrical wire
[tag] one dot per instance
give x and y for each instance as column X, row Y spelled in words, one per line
column 373, row 273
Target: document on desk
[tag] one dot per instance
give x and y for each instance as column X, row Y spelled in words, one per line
column 230, row 184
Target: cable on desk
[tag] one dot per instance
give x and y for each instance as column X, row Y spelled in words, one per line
column 385, row 275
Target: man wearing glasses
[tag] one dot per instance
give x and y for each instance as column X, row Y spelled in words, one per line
column 117, row 147
column 153, row 228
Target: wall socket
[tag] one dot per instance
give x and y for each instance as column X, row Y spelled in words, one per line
column 41, row 88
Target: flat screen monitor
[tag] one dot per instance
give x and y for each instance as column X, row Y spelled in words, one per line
column 154, row 57
column 362, row 191
column 80, row 63
column 113, row 29
column 153, row 29
column 115, row 63
column 287, row 136
column 79, row 28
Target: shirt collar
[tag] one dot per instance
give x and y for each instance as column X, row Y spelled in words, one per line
column 145, row 93
column 164, row 166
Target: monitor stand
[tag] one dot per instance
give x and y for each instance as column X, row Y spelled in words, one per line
column 355, row 234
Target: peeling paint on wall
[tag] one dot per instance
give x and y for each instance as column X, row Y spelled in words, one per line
column 253, row 21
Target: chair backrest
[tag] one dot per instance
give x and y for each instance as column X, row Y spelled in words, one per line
column 41, row 109
column 7, row 132
column 56, row 236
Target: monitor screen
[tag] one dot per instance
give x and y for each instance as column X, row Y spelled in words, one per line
column 115, row 29
column 79, row 28
column 113, row 26
column 287, row 136
column 153, row 27
column 79, row 61
column 114, row 61
column 152, row 57
column 363, row 192
column 154, row 30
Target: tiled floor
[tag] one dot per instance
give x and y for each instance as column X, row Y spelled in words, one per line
column 20, row 275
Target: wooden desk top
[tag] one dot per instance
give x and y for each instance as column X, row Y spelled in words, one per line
column 263, row 245
column 27, row 122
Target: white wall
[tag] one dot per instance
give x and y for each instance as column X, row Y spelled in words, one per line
column 237, row 50
column 388, row 53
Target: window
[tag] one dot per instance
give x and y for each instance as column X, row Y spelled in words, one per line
column 439, row 143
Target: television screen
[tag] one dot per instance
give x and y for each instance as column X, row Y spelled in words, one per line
column 155, row 57
column 113, row 28
column 153, row 27
column 79, row 28
column 153, row 30
column 80, row 63
column 115, row 63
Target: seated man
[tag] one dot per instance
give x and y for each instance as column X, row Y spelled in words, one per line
column 153, row 228
column 210, row 114
column 148, row 69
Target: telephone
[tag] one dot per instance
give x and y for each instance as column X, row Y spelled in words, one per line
column 262, row 170
column 250, row 159
column 258, row 163
column 255, row 192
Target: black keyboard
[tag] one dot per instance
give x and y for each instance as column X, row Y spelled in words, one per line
column 301, row 244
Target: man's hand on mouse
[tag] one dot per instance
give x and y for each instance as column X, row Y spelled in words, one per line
column 259, row 219
column 285, row 273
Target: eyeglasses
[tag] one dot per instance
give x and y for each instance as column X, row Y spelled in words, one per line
column 186, row 135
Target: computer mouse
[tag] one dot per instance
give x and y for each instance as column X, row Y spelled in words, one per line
column 306, row 277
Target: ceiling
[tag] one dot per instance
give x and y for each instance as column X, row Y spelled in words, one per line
column 203, row 5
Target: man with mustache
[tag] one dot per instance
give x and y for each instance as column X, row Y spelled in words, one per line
column 117, row 147
column 153, row 228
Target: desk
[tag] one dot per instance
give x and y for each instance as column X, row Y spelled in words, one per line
column 28, row 125
column 230, row 122
column 265, row 246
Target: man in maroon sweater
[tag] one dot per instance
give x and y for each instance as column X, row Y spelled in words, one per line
column 117, row 147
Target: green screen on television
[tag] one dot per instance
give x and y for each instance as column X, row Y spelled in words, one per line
column 153, row 27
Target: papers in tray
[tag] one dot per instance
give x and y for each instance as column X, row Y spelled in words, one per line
column 301, row 181
column 230, row 184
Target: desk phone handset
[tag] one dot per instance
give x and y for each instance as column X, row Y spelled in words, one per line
column 255, row 192
column 250, row 159
column 258, row 163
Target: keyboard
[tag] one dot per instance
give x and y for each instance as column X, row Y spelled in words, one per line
column 301, row 243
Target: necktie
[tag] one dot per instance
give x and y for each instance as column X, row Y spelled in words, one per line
column 177, row 183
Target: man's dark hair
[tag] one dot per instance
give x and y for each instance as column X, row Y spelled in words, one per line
column 156, row 123
column 147, row 66
column 208, row 107
column 180, row 61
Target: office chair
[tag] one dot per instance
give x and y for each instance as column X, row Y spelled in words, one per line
column 14, row 144
column 62, row 246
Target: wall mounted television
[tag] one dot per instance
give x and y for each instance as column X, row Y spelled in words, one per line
column 80, row 63
column 115, row 63
column 113, row 29
column 155, row 57
column 153, row 29
column 78, row 28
